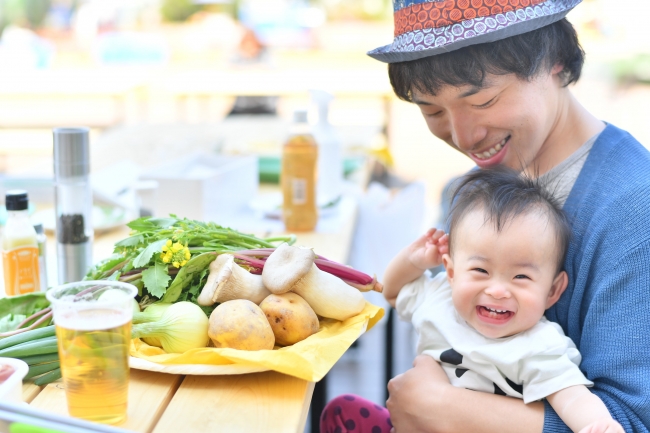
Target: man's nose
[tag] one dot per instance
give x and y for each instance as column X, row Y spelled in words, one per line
column 466, row 132
column 498, row 291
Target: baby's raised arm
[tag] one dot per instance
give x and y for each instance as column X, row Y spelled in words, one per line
column 410, row 263
column 583, row 411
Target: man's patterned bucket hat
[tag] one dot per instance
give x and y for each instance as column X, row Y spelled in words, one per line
column 428, row 27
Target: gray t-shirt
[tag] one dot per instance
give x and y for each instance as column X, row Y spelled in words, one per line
column 560, row 179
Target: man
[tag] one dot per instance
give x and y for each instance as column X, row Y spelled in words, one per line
column 490, row 78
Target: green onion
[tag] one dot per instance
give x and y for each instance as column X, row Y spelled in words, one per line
column 37, row 370
column 27, row 336
column 48, row 377
column 40, row 359
column 31, row 348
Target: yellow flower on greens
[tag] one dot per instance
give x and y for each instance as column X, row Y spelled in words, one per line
column 175, row 253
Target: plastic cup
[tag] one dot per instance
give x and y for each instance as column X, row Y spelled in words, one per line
column 93, row 329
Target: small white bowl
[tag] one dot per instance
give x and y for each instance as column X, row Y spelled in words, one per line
column 11, row 390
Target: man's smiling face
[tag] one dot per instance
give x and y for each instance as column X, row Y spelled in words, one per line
column 506, row 121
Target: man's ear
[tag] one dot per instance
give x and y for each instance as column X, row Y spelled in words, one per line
column 555, row 74
column 557, row 288
column 449, row 266
column 557, row 69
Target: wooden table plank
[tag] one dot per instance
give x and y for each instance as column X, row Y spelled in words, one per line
column 261, row 402
column 149, row 395
column 30, row 391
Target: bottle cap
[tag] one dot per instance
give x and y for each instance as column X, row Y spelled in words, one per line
column 71, row 152
column 16, row 199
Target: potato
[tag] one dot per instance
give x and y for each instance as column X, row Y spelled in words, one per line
column 290, row 317
column 240, row 324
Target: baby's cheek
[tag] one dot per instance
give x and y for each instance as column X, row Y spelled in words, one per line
column 462, row 299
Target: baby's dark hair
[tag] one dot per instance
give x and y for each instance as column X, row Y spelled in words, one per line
column 504, row 194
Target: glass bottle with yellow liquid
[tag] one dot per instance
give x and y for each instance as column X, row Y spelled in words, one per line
column 298, row 176
column 19, row 247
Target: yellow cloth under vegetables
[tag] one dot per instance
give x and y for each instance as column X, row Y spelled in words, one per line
column 309, row 359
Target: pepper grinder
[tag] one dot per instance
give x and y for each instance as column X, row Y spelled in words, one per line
column 74, row 202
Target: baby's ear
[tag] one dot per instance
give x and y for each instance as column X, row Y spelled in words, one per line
column 557, row 288
column 449, row 266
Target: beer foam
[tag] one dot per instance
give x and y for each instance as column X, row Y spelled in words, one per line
column 92, row 319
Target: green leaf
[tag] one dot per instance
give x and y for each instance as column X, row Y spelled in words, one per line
column 139, row 284
column 194, row 289
column 14, row 309
column 156, row 279
column 163, row 223
column 185, row 275
column 115, row 276
column 131, row 241
column 97, row 271
column 145, row 256
column 141, row 224
column 11, row 322
column 128, row 266
column 204, row 273
column 146, row 224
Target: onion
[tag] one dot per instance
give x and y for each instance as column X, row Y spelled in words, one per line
column 181, row 327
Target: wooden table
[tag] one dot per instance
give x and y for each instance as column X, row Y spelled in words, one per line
column 259, row 402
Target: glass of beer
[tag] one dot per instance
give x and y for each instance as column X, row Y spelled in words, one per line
column 93, row 329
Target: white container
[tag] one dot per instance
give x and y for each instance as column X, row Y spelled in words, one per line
column 205, row 187
column 330, row 161
column 11, row 390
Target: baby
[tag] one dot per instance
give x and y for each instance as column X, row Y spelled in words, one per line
column 483, row 319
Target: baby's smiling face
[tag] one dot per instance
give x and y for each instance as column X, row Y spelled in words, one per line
column 503, row 281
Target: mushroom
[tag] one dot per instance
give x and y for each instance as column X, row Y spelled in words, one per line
column 291, row 268
column 227, row 281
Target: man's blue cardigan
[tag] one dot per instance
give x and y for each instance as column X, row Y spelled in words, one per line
column 606, row 307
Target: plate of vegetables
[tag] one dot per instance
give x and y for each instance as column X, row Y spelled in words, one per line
column 212, row 300
column 184, row 267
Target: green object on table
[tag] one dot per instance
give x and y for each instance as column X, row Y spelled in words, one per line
column 14, row 310
column 48, row 377
column 270, row 166
column 19, row 427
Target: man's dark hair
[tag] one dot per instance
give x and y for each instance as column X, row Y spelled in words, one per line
column 503, row 194
column 524, row 55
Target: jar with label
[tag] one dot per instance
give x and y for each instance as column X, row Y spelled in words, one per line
column 298, row 176
column 19, row 247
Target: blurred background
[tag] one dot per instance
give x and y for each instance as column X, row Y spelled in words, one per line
column 162, row 83
column 154, row 78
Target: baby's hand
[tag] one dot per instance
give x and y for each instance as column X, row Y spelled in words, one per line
column 426, row 252
column 603, row 425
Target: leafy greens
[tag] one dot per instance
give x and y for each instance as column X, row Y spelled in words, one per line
column 168, row 258
column 13, row 310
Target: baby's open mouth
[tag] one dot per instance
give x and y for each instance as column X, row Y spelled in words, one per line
column 493, row 313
